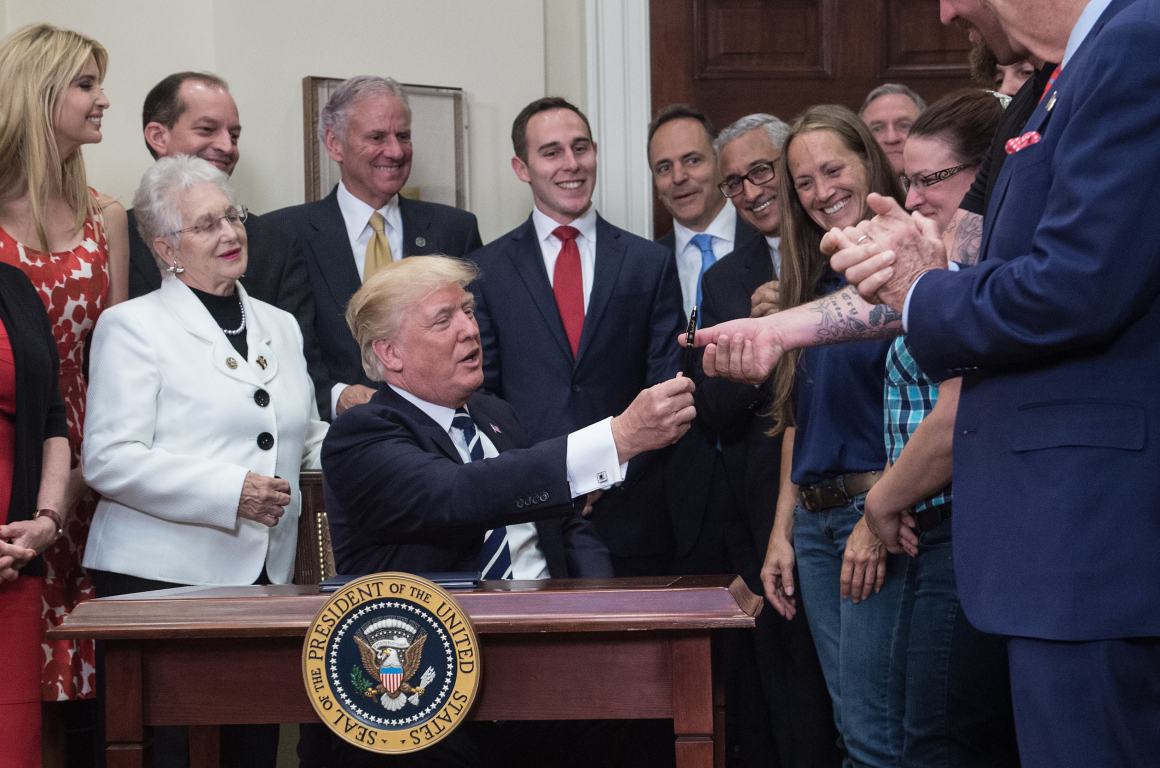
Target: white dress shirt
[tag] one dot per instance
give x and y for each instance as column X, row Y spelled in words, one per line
column 723, row 229
column 592, row 463
column 356, row 215
column 774, row 244
column 586, row 242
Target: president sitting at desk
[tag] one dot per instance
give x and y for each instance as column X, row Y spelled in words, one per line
column 432, row 475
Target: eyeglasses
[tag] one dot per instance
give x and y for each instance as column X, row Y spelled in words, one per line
column 207, row 225
column 762, row 173
column 930, row 179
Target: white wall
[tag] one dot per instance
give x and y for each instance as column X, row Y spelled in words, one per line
column 495, row 50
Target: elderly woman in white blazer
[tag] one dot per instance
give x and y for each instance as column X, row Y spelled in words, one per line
column 200, row 409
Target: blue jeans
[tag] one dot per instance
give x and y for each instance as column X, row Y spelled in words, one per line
column 861, row 647
column 958, row 701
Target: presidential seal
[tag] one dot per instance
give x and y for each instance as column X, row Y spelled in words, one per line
column 391, row 663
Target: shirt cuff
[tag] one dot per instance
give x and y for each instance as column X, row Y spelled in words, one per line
column 335, row 391
column 952, row 266
column 593, row 463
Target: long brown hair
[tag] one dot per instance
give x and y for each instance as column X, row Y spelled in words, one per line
column 802, row 264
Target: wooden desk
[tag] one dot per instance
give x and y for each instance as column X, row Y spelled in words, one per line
column 552, row 650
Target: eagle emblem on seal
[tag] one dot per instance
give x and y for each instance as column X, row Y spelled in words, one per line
column 391, row 650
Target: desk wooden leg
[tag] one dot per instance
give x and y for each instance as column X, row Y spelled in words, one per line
column 718, row 706
column 204, row 746
column 693, row 701
column 125, row 745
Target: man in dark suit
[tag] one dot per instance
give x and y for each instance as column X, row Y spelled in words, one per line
column 1055, row 333
column 193, row 113
column 705, row 229
column 434, row 475
column 416, row 478
column 366, row 127
column 577, row 316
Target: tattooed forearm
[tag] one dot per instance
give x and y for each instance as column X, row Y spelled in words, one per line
column 845, row 316
column 965, row 235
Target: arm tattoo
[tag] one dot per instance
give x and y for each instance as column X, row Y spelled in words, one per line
column 967, row 236
column 845, row 316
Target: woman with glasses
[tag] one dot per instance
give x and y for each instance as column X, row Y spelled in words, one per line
column 72, row 243
column 958, row 709
column 202, row 414
column 942, row 160
column 829, row 401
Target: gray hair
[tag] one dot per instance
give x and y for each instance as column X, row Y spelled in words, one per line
column 337, row 110
column 775, row 127
column 886, row 89
column 157, row 202
column 377, row 308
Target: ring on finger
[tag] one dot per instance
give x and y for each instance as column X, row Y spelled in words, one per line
column 862, row 239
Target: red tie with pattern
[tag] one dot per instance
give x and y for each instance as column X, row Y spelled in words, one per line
column 1050, row 82
column 568, row 285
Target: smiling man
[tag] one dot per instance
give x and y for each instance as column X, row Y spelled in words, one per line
column 364, row 223
column 193, row 113
column 889, row 110
column 684, row 170
column 577, row 316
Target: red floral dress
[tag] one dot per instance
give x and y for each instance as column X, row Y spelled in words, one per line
column 74, row 286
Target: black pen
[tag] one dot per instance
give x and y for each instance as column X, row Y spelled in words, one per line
column 690, row 352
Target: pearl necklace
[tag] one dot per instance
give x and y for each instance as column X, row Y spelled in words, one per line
column 241, row 327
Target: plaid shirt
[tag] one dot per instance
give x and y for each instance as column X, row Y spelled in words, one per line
column 908, row 396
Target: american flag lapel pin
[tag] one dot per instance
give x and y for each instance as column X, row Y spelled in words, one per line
column 496, row 429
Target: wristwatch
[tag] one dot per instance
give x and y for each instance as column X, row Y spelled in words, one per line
column 55, row 517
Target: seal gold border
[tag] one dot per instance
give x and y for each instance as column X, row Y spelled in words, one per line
column 383, row 592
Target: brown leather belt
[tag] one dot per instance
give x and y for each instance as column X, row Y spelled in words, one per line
column 837, row 491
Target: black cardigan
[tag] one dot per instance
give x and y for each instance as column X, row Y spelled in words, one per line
column 40, row 411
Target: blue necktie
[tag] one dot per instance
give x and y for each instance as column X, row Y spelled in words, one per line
column 495, row 559
column 704, row 244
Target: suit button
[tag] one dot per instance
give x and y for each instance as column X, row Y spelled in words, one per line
column 265, row 441
column 575, row 387
column 519, row 503
column 262, row 398
column 544, row 496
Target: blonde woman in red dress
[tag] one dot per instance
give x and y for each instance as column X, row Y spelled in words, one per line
column 72, row 243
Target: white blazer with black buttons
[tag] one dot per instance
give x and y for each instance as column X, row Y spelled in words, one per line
column 174, row 423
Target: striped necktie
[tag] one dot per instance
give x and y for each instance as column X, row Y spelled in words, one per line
column 495, row 559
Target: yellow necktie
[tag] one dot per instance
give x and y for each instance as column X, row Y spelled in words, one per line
column 378, row 249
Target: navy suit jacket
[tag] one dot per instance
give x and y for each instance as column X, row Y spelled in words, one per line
column 427, row 228
column 275, row 274
column 628, row 343
column 400, row 498
column 689, row 464
column 1056, row 527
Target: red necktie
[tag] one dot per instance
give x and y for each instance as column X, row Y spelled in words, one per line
column 568, row 285
column 1050, row 82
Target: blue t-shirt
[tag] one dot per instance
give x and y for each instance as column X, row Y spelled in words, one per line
column 838, row 408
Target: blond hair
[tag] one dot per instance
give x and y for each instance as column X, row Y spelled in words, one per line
column 37, row 64
column 376, row 310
